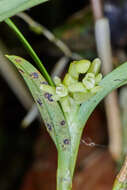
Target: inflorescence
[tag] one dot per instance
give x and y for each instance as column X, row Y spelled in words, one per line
column 79, row 84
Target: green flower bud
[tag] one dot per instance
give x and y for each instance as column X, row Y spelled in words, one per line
column 82, row 66
column 77, row 87
column 95, row 66
column 71, row 92
column 95, row 89
column 68, row 80
column 89, row 80
column 90, row 75
column 61, row 90
column 73, row 71
column 98, row 78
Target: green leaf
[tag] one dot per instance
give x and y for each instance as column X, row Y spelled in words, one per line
column 112, row 81
column 49, row 109
column 9, row 8
column 30, row 50
column 53, row 117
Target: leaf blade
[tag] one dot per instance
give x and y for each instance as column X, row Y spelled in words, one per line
column 50, row 110
column 29, row 49
column 8, row 9
column 112, row 81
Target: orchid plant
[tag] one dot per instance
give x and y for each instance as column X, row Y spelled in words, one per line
column 65, row 105
column 59, row 106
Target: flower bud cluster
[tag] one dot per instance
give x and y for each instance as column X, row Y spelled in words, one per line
column 79, row 89
column 79, row 84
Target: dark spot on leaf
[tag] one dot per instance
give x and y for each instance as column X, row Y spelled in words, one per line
column 62, row 122
column 118, row 80
column 49, row 127
column 48, row 96
column 39, row 102
column 34, row 75
column 18, row 60
column 44, row 82
column 66, row 141
column 20, row 70
column 51, row 100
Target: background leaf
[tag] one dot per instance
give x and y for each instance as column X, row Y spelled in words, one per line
column 9, row 8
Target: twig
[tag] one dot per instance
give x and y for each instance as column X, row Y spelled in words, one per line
column 102, row 33
column 30, row 117
column 97, row 9
column 39, row 29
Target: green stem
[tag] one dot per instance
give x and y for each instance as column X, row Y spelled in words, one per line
column 75, row 146
column 30, row 50
column 75, row 133
column 75, row 149
column 64, row 179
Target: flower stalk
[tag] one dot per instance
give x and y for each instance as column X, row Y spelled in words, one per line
column 64, row 178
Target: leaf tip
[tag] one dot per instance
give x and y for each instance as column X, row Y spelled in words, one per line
column 14, row 59
column 9, row 57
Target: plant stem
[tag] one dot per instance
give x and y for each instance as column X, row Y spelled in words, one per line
column 64, row 179
column 75, row 147
column 30, row 50
column 75, row 133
